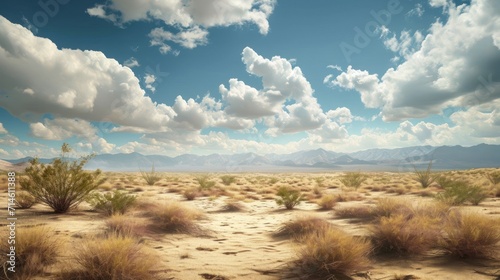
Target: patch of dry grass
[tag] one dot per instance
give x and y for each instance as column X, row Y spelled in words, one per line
column 364, row 212
column 301, row 226
column 327, row 202
column 330, row 253
column 122, row 225
column 175, row 218
column 35, row 249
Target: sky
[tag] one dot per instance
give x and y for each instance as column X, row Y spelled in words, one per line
column 170, row 77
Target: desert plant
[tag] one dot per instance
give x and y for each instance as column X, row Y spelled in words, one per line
column 327, row 202
column 468, row 234
column 403, row 234
column 204, row 182
column 123, row 225
column 353, row 179
column 493, row 177
column 151, row 177
column 331, row 253
column 357, row 212
column 61, row 185
column 459, row 192
column 273, row 180
column 111, row 203
column 301, row 226
column 175, row 218
column 228, row 179
column 35, row 249
column 24, row 200
column 191, row 193
column 288, row 197
column 424, row 177
column 232, row 205
column 115, row 257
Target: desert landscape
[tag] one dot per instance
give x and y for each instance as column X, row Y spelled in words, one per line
column 340, row 225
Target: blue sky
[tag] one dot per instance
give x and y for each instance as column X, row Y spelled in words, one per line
column 220, row 76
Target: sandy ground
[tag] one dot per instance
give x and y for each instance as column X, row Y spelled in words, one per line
column 240, row 245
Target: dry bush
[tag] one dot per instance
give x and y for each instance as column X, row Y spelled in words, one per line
column 467, row 234
column 228, row 179
column 111, row 203
column 24, row 200
column 327, row 202
column 116, row 258
column 191, row 193
column 388, row 206
column 232, row 205
column 330, row 253
column 121, row 225
column 288, row 197
column 353, row 179
column 301, row 226
column 364, row 212
column 175, row 218
column 35, row 249
column 493, row 177
column 401, row 234
column 204, row 182
column 349, row 196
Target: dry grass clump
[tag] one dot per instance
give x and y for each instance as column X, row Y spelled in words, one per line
column 364, row 212
column 331, row 253
column 175, row 218
column 35, row 249
column 388, row 206
column 468, row 234
column 228, row 179
column 301, row 226
column 116, row 257
column 232, row 205
column 24, row 200
column 353, row 179
column 402, row 234
column 121, row 225
column 191, row 193
column 327, row 202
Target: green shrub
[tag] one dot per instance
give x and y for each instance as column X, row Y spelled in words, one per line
column 61, row 185
column 353, row 179
column 288, row 197
column 111, row 203
column 459, row 192
column 228, row 179
column 204, row 182
column 424, row 177
column 151, row 177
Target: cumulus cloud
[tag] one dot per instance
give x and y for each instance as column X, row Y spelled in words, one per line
column 2, row 129
column 61, row 128
column 456, row 65
column 42, row 79
column 131, row 62
column 149, row 80
column 191, row 18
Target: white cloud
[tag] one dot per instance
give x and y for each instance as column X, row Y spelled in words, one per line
column 417, row 11
column 2, row 129
column 149, row 80
column 60, row 129
column 131, row 62
column 456, row 65
column 188, row 38
column 43, row 79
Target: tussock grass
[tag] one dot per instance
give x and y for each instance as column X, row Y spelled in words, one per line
column 327, row 202
column 191, row 193
column 150, row 177
column 175, row 218
column 116, row 258
column 36, row 249
column 332, row 253
column 232, row 205
column 301, row 226
column 424, row 177
column 471, row 235
column 122, row 225
column 388, row 206
column 364, row 212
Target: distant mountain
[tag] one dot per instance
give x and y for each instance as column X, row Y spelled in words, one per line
column 444, row 157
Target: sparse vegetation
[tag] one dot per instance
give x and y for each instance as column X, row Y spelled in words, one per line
column 151, row 177
column 459, row 192
column 122, row 225
column 204, row 182
column 61, row 185
column 191, row 193
column 353, row 179
column 356, row 212
column 301, row 226
column 468, row 234
column 424, row 177
column 112, row 203
column 36, row 248
column 288, row 197
column 115, row 257
column 493, row 177
column 24, row 200
column 228, row 179
column 330, row 252
column 327, row 202
column 175, row 218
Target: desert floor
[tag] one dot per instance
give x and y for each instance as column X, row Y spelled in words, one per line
column 240, row 244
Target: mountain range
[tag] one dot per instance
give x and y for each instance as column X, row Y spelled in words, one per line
column 401, row 159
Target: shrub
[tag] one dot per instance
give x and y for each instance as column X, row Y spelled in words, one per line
column 24, row 200
column 299, row 227
column 116, row 257
column 467, row 234
column 330, row 253
column 493, row 177
column 327, row 202
column 459, row 192
column 117, row 202
column 151, row 177
column 273, row 180
column 288, row 197
column 402, row 234
column 228, row 179
column 353, row 179
column 204, row 182
column 122, row 225
column 61, row 185
column 36, row 248
column 191, row 193
column 175, row 218
column 424, row 177
column 233, row 206
column 385, row 207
